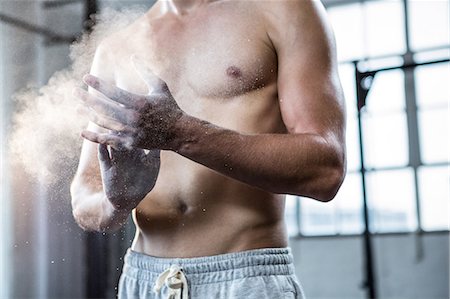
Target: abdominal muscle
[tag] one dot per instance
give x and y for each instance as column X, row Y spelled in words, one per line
column 194, row 211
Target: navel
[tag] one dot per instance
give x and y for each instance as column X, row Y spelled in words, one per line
column 234, row 72
column 182, row 207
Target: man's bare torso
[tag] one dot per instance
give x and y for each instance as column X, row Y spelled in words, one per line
column 220, row 66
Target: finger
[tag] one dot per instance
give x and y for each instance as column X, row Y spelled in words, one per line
column 153, row 154
column 109, row 123
column 126, row 154
column 113, row 140
column 111, row 91
column 152, row 159
column 153, row 82
column 102, row 106
column 103, row 157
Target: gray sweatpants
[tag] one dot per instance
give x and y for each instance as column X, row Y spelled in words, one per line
column 254, row 274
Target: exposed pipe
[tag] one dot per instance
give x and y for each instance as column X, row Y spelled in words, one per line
column 52, row 37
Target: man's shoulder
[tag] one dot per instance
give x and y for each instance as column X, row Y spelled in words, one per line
column 286, row 9
column 285, row 15
column 289, row 19
column 119, row 39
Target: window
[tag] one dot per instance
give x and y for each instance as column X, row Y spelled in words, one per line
column 405, row 122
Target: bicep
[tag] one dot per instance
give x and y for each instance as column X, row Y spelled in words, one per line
column 311, row 99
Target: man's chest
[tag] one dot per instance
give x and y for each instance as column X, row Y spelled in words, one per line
column 219, row 57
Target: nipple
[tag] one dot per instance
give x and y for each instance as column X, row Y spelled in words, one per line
column 234, row 72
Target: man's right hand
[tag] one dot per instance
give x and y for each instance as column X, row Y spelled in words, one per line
column 128, row 175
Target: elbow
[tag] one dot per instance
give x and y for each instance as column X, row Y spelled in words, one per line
column 92, row 223
column 79, row 217
column 323, row 186
column 85, row 215
column 332, row 173
column 325, row 183
column 331, row 182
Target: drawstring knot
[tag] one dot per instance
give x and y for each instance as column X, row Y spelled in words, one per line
column 176, row 282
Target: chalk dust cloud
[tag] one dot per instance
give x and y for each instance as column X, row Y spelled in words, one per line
column 45, row 138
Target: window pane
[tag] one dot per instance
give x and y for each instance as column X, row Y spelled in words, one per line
column 385, row 30
column 347, row 22
column 290, row 214
column 391, row 200
column 349, row 205
column 434, row 197
column 385, row 140
column 428, row 23
column 387, row 93
column 432, row 83
column 434, row 135
column 317, row 218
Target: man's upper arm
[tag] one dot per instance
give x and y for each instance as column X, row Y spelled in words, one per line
column 88, row 168
column 309, row 90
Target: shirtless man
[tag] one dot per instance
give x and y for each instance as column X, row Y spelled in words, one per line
column 244, row 105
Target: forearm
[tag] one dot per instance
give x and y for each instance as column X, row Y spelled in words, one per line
column 300, row 164
column 94, row 212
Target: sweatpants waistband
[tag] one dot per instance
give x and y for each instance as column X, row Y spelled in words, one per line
column 212, row 269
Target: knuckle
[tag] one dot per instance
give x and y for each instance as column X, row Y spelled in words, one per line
column 132, row 117
column 140, row 102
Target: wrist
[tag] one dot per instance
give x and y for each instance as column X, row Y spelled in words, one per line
column 183, row 133
column 116, row 211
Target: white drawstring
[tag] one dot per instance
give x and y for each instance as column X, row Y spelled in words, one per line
column 175, row 281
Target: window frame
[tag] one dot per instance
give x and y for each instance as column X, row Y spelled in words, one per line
column 411, row 112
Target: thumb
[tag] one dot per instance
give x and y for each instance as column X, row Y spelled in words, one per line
column 103, row 157
column 152, row 158
column 153, row 82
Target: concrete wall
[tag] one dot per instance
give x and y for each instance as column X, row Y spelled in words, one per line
column 407, row 266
